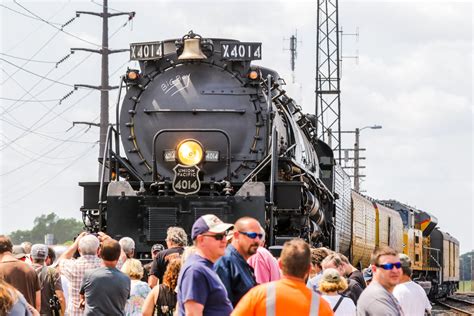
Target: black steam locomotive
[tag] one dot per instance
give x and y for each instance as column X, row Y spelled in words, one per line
column 206, row 131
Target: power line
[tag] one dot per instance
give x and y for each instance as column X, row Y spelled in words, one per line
column 7, row 144
column 30, row 60
column 40, row 185
column 68, row 72
column 30, row 130
column 26, row 15
column 35, row 74
column 101, row 5
column 72, row 163
column 36, row 29
column 60, row 29
column 49, row 150
column 30, row 100
column 27, row 92
column 39, row 155
column 36, row 53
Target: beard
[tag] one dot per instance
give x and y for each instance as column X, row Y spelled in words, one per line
column 252, row 249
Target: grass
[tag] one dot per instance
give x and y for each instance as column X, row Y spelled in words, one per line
column 466, row 286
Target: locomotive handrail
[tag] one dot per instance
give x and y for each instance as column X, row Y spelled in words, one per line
column 107, row 154
column 181, row 130
column 274, row 159
column 263, row 164
column 117, row 107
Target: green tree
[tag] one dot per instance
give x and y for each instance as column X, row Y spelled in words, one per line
column 64, row 229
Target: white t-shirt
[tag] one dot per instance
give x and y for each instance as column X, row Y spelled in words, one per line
column 412, row 298
column 346, row 308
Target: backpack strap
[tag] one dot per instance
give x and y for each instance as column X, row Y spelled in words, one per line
column 338, row 303
column 42, row 275
column 51, row 279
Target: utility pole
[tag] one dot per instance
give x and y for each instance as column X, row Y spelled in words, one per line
column 104, row 82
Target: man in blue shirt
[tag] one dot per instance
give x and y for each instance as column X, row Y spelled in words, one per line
column 233, row 269
column 200, row 291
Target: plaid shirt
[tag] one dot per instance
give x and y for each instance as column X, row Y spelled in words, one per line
column 73, row 270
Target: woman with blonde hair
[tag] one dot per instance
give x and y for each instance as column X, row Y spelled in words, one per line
column 163, row 297
column 12, row 302
column 330, row 285
column 138, row 289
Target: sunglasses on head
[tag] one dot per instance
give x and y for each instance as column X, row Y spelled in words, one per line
column 252, row 235
column 389, row 266
column 217, row 236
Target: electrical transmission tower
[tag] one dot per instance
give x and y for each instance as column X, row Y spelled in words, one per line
column 104, row 84
column 328, row 102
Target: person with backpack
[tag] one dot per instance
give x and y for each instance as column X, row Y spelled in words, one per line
column 52, row 296
column 162, row 298
column 331, row 285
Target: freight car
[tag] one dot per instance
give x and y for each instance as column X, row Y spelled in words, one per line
column 204, row 130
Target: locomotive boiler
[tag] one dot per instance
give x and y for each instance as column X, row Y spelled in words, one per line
column 206, row 131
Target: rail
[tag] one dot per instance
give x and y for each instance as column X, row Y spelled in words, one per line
column 458, row 305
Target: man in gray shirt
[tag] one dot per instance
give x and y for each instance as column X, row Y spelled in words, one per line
column 377, row 298
column 106, row 289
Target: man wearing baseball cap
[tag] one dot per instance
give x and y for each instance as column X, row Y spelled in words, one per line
column 155, row 250
column 200, row 290
column 49, row 278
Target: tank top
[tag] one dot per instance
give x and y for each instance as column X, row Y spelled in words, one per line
column 166, row 301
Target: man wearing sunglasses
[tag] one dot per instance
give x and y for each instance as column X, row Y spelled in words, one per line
column 200, row 291
column 288, row 296
column 233, row 269
column 377, row 298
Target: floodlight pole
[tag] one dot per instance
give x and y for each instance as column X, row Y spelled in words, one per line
column 357, row 157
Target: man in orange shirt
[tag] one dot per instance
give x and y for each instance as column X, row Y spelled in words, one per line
column 288, row 296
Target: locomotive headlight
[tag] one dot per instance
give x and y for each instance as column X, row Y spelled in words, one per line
column 190, row 152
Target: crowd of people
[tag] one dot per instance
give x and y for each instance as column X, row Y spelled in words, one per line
column 227, row 271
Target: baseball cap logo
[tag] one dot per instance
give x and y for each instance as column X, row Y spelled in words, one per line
column 215, row 220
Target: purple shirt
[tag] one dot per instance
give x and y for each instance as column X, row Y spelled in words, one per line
column 265, row 266
column 198, row 282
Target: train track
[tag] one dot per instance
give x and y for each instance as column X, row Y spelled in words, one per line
column 460, row 306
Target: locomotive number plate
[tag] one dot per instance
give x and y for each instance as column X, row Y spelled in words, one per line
column 186, row 179
column 146, row 51
column 241, row 51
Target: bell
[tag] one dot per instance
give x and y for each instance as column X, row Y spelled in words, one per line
column 192, row 49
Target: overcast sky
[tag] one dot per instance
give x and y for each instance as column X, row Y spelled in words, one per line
column 413, row 77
